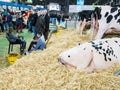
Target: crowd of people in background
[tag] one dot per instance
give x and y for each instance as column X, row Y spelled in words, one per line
column 36, row 21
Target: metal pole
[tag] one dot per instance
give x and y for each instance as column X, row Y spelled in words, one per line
column 66, row 6
column 45, row 4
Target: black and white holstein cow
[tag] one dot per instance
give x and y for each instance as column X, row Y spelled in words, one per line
column 106, row 18
column 94, row 55
column 85, row 20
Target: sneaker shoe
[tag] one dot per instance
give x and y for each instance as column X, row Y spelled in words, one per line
column 22, row 52
column 26, row 53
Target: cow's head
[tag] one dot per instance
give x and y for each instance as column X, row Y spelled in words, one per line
column 74, row 58
column 70, row 58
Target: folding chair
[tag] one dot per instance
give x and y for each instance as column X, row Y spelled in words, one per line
column 11, row 43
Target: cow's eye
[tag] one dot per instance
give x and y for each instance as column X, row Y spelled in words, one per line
column 78, row 43
column 68, row 55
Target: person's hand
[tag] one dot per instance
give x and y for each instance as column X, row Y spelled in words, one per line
column 21, row 37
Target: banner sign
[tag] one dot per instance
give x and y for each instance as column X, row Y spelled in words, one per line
column 79, row 8
column 80, row 2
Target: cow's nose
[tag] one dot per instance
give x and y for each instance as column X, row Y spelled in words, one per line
column 59, row 59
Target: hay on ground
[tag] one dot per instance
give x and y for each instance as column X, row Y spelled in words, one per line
column 40, row 70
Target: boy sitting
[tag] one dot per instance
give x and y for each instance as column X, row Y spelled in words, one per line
column 38, row 43
column 16, row 40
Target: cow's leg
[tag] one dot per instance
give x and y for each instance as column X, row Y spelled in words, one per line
column 82, row 26
column 100, row 33
column 90, row 67
column 78, row 26
column 92, row 27
column 95, row 30
column 103, row 26
column 85, row 61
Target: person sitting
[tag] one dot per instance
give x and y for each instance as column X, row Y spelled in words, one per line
column 38, row 43
column 17, row 40
column 33, row 43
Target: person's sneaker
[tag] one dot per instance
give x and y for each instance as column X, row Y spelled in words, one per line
column 22, row 52
column 26, row 53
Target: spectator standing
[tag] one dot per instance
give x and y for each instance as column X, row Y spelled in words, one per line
column 5, row 24
column 33, row 18
column 19, row 22
column 25, row 19
column 47, row 21
column 29, row 26
column 5, row 12
column 58, row 18
column 9, row 20
column 1, row 22
column 14, row 21
column 40, row 24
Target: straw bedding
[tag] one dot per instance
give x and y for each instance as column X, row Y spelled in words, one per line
column 40, row 70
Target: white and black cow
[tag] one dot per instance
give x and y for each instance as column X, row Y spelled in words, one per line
column 106, row 17
column 94, row 55
column 85, row 19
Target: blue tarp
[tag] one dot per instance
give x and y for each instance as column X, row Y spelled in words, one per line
column 14, row 4
column 39, row 8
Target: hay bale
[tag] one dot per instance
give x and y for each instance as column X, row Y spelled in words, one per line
column 40, row 70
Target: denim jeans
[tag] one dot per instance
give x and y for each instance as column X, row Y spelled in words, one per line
column 33, row 29
column 5, row 25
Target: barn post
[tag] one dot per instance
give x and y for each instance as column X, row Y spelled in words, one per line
column 66, row 11
column 66, row 6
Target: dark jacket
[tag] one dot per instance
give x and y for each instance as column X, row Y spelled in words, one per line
column 47, row 20
column 12, row 37
column 40, row 24
column 9, row 18
column 33, row 19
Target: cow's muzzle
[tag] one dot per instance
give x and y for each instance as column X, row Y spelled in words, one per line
column 62, row 61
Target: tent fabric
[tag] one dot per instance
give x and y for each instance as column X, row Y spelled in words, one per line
column 14, row 4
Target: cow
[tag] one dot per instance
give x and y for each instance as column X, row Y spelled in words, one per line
column 90, row 56
column 106, row 18
column 85, row 20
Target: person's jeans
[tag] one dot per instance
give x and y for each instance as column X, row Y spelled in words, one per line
column 31, row 45
column 1, row 25
column 5, row 25
column 22, row 42
column 29, row 26
column 53, row 20
column 10, row 24
column 33, row 29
